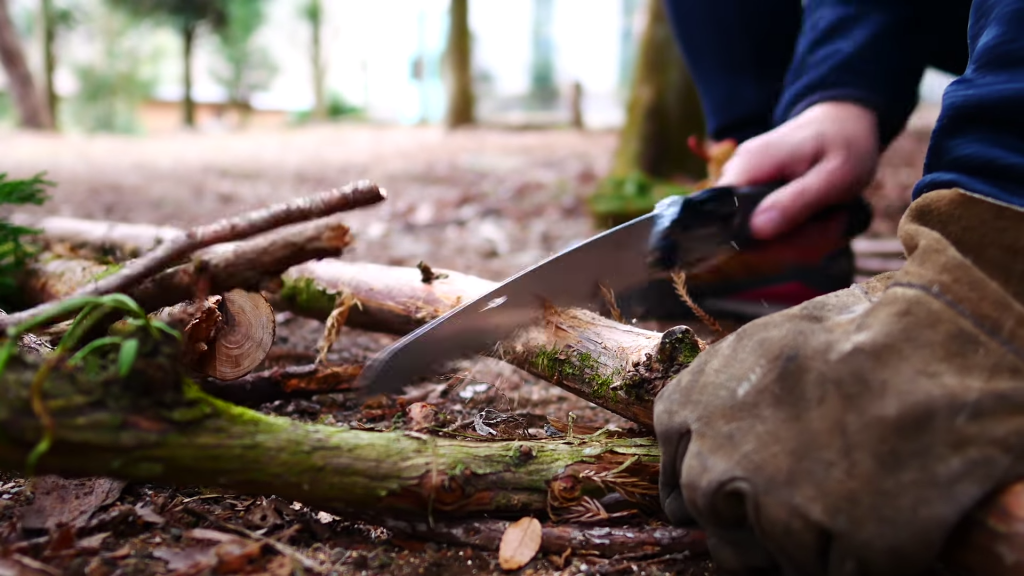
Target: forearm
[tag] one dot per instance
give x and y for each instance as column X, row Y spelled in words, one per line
column 871, row 52
column 738, row 52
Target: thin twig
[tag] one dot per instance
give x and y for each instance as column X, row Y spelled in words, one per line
column 354, row 195
column 679, row 282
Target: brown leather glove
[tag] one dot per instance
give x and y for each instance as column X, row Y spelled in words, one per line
column 848, row 435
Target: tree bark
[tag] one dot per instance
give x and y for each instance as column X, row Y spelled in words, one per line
column 188, row 35
column 459, row 63
column 664, row 109
column 28, row 100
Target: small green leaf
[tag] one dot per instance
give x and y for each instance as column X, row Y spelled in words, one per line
column 126, row 358
column 88, row 348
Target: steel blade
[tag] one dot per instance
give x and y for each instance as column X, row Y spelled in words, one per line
column 615, row 259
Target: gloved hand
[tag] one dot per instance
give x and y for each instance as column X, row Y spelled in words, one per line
column 848, row 435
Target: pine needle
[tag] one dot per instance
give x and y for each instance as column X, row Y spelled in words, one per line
column 609, row 298
column 679, row 282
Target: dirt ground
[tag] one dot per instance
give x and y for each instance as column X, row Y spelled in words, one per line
column 484, row 202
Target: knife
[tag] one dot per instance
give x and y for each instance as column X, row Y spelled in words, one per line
column 705, row 234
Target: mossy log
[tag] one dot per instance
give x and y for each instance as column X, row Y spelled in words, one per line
column 614, row 365
column 156, row 426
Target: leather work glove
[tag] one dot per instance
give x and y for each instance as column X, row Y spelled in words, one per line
column 848, row 435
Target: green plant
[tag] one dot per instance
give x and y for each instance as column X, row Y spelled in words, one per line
column 14, row 250
column 90, row 310
column 620, row 199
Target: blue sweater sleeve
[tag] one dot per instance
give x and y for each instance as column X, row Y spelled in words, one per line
column 872, row 52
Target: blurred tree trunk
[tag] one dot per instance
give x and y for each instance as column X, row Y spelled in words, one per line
column 627, row 44
column 458, row 60
column 188, row 36
column 663, row 111
column 315, row 17
column 543, row 91
column 27, row 99
column 49, row 57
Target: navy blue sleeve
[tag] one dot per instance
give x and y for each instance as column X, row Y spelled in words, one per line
column 738, row 52
column 871, row 52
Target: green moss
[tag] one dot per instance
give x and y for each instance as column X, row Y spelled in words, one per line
column 576, row 366
column 306, row 294
column 678, row 347
column 109, row 270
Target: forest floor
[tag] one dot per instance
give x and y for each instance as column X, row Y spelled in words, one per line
column 484, row 202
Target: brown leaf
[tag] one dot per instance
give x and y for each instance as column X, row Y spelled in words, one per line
column 519, row 543
column 209, row 534
column 92, row 543
column 421, row 416
column 60, row 501
column 234, row 557
column 147, row 515
column 193, row 559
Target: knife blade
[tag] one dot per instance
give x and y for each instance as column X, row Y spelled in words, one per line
column 688, row 232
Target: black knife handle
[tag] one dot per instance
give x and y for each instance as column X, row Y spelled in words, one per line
column 691, row 229
column 748, row 198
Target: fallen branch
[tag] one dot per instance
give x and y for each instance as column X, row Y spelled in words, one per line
column 240, row 227
column 269, row 385
column 616, row 366
column 151, row 427
column 392, row 299
column 125, row 239
column 603, row 541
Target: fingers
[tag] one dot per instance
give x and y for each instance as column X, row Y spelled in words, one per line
column 828, row 154
column 765, row 159
column 827, row 183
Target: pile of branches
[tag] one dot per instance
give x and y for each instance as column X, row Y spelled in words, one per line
column 133, row 355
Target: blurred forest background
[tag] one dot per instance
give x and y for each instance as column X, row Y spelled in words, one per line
column 155, row 68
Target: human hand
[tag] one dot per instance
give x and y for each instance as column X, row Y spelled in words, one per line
column 828, row 154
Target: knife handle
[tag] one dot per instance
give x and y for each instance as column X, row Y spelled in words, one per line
column 858, row 212
column 692, row 230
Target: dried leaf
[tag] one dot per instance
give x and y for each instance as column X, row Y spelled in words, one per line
column 92, row 543
column 519, row 543
column 209, row 534
column 421, row 416
column 193, row 559
column 148, row 515
column 59, row 501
